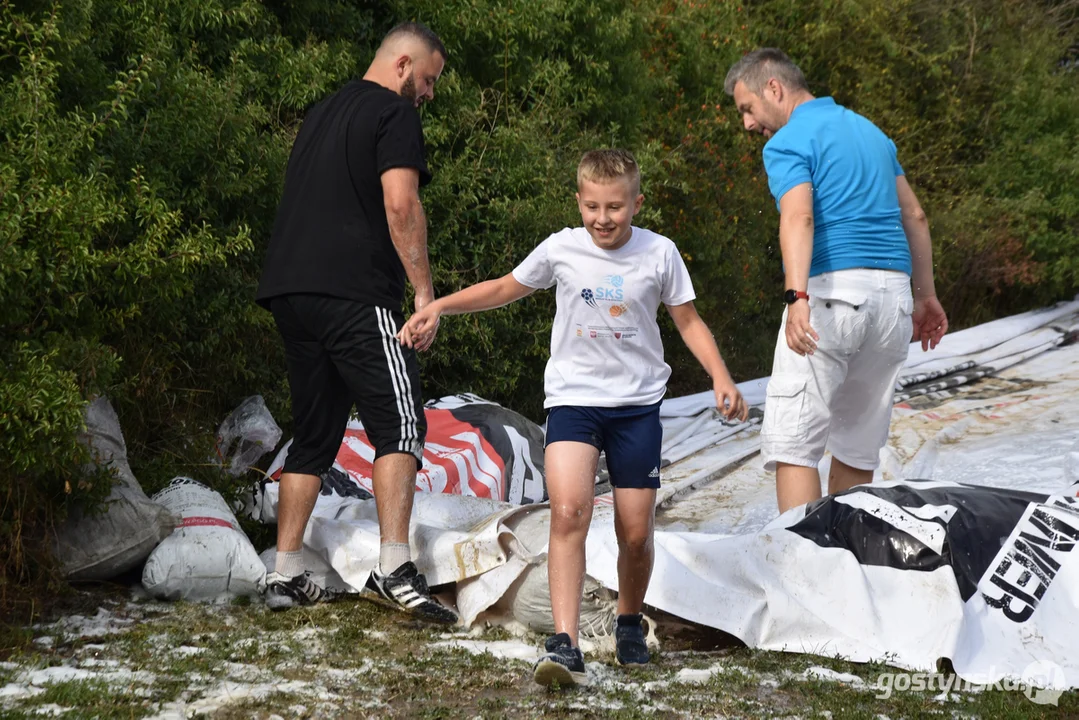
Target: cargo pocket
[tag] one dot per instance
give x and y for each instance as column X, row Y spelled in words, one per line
column 784, row 409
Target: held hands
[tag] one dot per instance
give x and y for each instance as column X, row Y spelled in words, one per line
column 930, row 322
column 419, row 332
column 729, row 401
column 801, row 337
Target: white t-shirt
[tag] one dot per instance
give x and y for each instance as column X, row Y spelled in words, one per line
column 605, row 345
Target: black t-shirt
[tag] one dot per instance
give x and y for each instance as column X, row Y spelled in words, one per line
column 330, row 235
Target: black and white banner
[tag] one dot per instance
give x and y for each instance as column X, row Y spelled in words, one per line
column 904, row 573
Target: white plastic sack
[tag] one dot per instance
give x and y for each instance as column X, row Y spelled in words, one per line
column 208, row 558
column 102, row 545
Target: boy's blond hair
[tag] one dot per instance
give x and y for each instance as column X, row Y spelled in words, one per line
column 603, row 166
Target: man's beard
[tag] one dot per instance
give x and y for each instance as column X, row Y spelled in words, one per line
column 408, row 90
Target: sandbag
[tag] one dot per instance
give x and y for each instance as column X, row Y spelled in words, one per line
column 528, row 599
column 208, row 558
column 102, row 545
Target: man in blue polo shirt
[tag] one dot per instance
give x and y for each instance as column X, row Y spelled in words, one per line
column 853, row 237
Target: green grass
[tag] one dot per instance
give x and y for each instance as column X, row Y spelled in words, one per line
column 357, row 659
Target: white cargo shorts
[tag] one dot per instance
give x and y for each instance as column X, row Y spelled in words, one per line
column 840, row 398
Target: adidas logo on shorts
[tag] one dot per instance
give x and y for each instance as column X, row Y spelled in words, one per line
column 654, row 473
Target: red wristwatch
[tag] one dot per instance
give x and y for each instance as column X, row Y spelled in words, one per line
column 793, row 296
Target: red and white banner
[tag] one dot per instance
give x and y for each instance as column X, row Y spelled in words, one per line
column 474, row 447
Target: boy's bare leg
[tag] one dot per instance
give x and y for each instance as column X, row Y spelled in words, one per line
column 571, row 477
column 634, row 525
column 395, row 487
column 296, row 500
column 796, row 485
column 843, row 477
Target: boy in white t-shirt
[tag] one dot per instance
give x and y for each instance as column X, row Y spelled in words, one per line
column 604, row 383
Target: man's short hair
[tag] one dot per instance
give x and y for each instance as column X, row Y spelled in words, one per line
column 604, row 166
column 756, row 68
column 421, row 32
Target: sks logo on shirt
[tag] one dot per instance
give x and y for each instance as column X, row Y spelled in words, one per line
column 610, row 291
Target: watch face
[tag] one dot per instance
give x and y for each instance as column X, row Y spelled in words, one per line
column 790, row 297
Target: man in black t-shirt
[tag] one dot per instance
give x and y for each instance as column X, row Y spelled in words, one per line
column 349, row 229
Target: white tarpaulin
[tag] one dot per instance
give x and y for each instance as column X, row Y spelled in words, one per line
column 899, row 572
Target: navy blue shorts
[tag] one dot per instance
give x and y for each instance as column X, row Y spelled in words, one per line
column 630, row 436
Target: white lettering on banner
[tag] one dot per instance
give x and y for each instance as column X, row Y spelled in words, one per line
column 522, row 458
column 1030, row 559
column 930, row 533
column 944, row 513
column 484, row 468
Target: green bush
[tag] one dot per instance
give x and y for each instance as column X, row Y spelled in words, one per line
column 144, row 146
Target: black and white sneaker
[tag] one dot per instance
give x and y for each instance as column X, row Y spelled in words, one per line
column 562, row 665
column 406, row 589
column 282, row 593
column 630, row 645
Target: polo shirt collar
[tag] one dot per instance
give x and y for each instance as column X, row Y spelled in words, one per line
column 814, row 104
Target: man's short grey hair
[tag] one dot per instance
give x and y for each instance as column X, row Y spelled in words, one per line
column 421, row 32
column 755, row 69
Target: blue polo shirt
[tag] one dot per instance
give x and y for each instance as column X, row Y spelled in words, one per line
column 852, row 166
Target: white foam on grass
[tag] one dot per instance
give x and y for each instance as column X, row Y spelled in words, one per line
column 188, row 650
column 66, row 673
column 225, row 694
column 74, row 627
column 350, row 675
column 18, row 691
column 596, row 703
column 817, row 672
column 691, row 676
column 246, row 673
column 506, row 649
column 57, row 674
column 99, row 664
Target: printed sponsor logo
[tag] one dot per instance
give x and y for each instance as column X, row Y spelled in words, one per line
column 1030, row 560
column 611, row 290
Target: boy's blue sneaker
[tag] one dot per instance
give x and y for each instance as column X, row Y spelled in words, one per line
column 563, row 664
column 630, row 646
